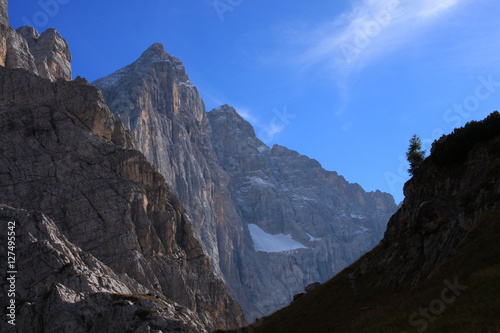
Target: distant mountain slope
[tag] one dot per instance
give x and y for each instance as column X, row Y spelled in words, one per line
column 228, row 180
column 437, row 268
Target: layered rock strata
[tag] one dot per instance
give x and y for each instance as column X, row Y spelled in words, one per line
column 60, row 288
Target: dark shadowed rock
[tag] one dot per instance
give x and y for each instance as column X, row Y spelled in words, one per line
column 309, row 288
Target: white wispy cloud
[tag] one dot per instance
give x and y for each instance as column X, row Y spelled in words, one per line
column 371, row 28
column 248, row 115
column 275, row 122
column 436, row 7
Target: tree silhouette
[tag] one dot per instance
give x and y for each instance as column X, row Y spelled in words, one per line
column 415, row 154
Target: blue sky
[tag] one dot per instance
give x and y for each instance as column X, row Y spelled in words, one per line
column 345, row 82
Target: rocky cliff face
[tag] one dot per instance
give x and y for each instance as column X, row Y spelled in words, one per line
column 280, row 192
column 241, row 194
column 107, row 217
column 4, row 31
column 4, row 17
column 155, row 100
column 50, row 53
column 46, row 55
column 60, row 288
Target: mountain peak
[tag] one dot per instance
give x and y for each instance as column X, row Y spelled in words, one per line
column 226, row 108
column 155, row 52
column 46, row 55
column 145, row 64
column 227, row 111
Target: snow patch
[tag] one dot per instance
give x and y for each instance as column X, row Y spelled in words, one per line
column 265, row 242
column 259, row 181
column 262, row 148
column 184, row 83
column 302, row 198
column 361, row 230
column 111, row 80
column 312, row 239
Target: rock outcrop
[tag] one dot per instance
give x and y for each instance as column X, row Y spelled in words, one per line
column 4, row 31
column 81, row 294
column 18, row 54
column 4, row 17
column 50, row 52
column 64, row 154
column 236, row 189
column 46, row 55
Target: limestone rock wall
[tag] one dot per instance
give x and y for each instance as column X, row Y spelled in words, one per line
column 50, row 52
column 80, row 293
column 46, row 55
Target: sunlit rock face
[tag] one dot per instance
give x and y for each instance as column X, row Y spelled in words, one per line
column 50, row 53
column 271, row 220
column 61, row 288
column 46, row 55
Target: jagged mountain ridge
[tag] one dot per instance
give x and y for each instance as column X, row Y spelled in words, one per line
column 94, row 203
column 437, row 268
column 46, row 55
column 211, row 158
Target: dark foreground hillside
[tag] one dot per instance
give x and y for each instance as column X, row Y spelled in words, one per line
column 437, row 268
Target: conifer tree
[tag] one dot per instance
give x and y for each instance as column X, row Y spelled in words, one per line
column 415, row 154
